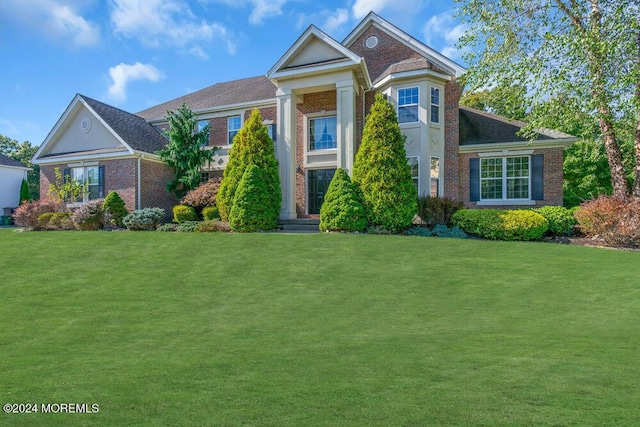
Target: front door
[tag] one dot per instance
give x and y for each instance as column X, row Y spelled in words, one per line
column 317, row 185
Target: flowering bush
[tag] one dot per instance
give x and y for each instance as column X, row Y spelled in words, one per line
column 143, row 219
column 89, row 216
column 27, row 214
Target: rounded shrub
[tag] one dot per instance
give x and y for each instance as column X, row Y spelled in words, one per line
column 169, row 227
column 210, row 213
column 27, row 214
column 89, row 216
column 187, row 226
column 114, row 209
column 561, row 219
column 522, row 225
column 183, row 213
column 143, row 219
column 614, row 220
column 252, row 207
column 342, row 209
column 44, row 221
column 481, row 222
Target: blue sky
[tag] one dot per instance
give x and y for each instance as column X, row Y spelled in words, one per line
column 134, row 54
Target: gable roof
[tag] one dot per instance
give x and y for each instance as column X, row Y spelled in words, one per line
column 328, row 55
column 433, row 56
column 239, row 91
column 8, row 161
column 479, row 127
column 134, row 130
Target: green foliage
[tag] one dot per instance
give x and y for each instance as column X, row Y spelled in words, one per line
column 573, row 52
column 89, row 216
column 187, row 226
column 66, row 189
column 442, row 230
column 437, row 210
column 213, row 226
column 381, row 172
column 27, row 214
column 561, row 220
column 418, row 231
column 24, row 192
column 182, row 213
column 143, row 219
column 251, row 146
column 185, row 152
column 506, row 101
column 500, row 224
column 114, row 209
column 252, row 207
column 23, row 153
column 169, row 227
column 210, row 213
column 612, row 219
column 342, row 209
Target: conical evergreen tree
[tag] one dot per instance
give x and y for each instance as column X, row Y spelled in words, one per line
column 342, row 209
column 25, row 195
column 381, row 172
column 252, row 208
column 251, row 146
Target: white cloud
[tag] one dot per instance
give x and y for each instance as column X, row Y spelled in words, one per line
column 336, row 20
column 55, row 19
column 443, row 29
column 263, row 9
column 122, row 74
column 167, row 22
column 329, row 21
column 397, row 11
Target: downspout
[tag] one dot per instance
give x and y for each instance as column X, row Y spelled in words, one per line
column 139, row 201
column 364, row 107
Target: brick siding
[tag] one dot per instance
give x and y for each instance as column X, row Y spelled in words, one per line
column 154, row 178
column 452, row 92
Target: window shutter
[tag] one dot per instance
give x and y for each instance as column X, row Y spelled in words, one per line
column 537, row 177
column 101, row 181
column 66, row 174
column 474, row 179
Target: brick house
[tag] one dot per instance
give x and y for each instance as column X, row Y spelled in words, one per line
column 314, row 101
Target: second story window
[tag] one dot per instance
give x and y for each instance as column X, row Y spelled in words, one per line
column 435, row 105
column 201, row 124
column 323, row 133
column 233, row 126
column 408, row 100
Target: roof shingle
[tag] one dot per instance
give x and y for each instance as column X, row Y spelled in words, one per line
column 8, row 161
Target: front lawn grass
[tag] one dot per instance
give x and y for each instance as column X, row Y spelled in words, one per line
column 317, row 329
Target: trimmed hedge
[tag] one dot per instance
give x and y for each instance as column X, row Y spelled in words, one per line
column 501, row 224
column 561, row 219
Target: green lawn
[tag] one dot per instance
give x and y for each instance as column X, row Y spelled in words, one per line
column 320, row 329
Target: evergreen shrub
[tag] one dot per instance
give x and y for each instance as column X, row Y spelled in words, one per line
column 252, row 207
column 114, row 209
column 210, row 212
column 168, row 227
column 437, row 210
column 501, row 224
column 143, row 219
column 213, row 226
column 182, row 213
column 187, row 226
column 561, row 219
column 342, row 209
column 25, row 196
column 381, row 172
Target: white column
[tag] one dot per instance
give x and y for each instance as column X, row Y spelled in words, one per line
column 286, row 136
column 346, row 124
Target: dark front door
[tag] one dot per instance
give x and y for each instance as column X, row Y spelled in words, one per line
column 318, row 183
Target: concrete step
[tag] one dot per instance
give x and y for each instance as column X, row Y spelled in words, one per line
column 299, row 225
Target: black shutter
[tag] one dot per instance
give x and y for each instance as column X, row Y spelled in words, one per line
column 101, row 181
column 474, row 179
column 66, row 175
column 537, row 177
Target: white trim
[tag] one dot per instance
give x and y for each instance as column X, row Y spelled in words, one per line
column 102, row 156
column 412, row 86
column 24, row 168
column 419, row 174
column 537, row 144
column 411, row 74
column 506, row 202
column 437, row 58
column 504, row 181
column 506, row 153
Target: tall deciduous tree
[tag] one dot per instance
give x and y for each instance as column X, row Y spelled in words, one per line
column 185, row 153
column 586, row 49
column 251, row 146
column 505, row 101
column 381, row 171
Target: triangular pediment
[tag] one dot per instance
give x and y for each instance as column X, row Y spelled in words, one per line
column 80, row 130
column 314, row 51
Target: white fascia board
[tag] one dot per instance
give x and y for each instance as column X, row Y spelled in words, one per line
column 314, row 70
column 439, row 59
column 23, row 168
column 149, row 156
column 411, row 74
column 101, row 156
column 541, row 143
column 62, row 120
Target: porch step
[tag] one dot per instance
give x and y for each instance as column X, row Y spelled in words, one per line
column 299, row 225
